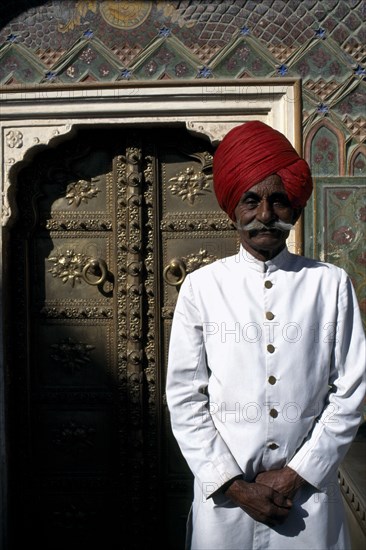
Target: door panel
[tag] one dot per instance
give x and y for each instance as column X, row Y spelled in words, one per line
column 193, row 234
column 63, row 417
column 108, row 225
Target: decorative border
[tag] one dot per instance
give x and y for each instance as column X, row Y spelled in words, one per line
column 352, row 499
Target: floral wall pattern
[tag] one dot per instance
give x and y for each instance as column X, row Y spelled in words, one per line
column 321, row 42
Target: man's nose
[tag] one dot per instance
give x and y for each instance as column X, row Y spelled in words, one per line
column 265, row 212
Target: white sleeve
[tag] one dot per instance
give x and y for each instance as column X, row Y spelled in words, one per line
column 207, row 455
column 325, row 447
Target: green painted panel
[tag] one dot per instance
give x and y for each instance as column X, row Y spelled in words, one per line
column 335, row 228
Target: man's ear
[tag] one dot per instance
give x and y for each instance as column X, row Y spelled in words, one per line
column 296, row 214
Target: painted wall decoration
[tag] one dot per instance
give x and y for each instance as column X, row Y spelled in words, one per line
column 320, row 41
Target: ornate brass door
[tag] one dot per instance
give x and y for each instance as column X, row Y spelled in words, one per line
column 108, row 225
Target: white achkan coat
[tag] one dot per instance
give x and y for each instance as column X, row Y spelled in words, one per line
column 266, row 369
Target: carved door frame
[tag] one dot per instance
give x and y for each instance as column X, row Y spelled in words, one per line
column 33, row 119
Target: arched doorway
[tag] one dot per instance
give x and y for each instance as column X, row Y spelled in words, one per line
column 92, row 286
column 99, row 226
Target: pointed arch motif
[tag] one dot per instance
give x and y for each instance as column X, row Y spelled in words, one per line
column 324, row 150
column 357, row 161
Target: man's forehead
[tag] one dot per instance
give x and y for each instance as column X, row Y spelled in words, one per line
column 269, row 186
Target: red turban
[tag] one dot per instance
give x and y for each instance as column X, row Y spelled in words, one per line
column 251, row 152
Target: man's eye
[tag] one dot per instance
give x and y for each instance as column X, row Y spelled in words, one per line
column 250, row 203
column 281, row 204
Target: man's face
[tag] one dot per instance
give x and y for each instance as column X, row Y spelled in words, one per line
column 263, row 205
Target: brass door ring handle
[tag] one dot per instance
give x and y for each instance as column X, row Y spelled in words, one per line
column 93, row 263
column 177, row 268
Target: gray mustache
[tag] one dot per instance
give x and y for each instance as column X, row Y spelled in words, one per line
column 258, row 226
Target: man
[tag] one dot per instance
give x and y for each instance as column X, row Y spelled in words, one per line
column 266, row 366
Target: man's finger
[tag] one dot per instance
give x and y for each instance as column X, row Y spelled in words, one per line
column 281, row 500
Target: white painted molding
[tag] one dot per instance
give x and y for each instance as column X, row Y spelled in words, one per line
column 17, row 142
column 35, row 116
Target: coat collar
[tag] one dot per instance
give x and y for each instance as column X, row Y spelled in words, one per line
column 245, row 259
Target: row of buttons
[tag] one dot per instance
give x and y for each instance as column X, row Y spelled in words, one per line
column 272, row 379
column 270, row 316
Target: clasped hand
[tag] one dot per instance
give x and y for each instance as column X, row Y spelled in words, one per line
column 269, row 498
